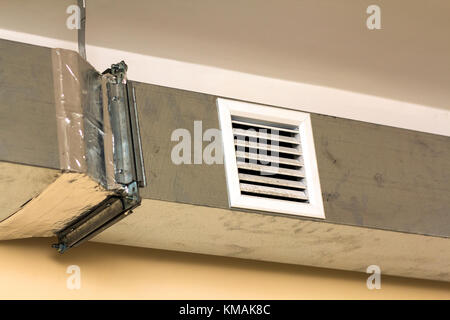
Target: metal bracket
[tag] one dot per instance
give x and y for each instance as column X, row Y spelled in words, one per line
column 82, row 29
column 127, row 158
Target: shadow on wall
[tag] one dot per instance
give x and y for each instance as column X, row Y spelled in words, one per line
column 31, row 269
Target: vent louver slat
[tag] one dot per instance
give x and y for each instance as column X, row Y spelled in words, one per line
column 270, row 191
column 255, row 156
column 252, row 133
column 259, row 125
column 271, row 181
column 267, row 169
column 269, row 160
column 267, row 147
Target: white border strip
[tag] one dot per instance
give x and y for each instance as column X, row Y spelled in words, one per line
column 258, row 89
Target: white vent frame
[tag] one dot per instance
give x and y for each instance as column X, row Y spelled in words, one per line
column 226, row 109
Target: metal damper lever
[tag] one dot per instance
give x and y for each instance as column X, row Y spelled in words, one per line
column 127, row 158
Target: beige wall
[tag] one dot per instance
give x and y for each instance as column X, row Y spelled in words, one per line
column 31, row 269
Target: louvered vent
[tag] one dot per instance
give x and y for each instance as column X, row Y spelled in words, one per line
column 269, row 160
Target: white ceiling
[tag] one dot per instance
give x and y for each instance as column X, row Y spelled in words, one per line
column 311, row 41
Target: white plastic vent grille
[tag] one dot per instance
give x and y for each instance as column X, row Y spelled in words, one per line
column 270, row 159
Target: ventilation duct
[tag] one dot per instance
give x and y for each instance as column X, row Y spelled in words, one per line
column 335, row 193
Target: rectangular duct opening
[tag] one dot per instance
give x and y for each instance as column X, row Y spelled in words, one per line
column 270, row 159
